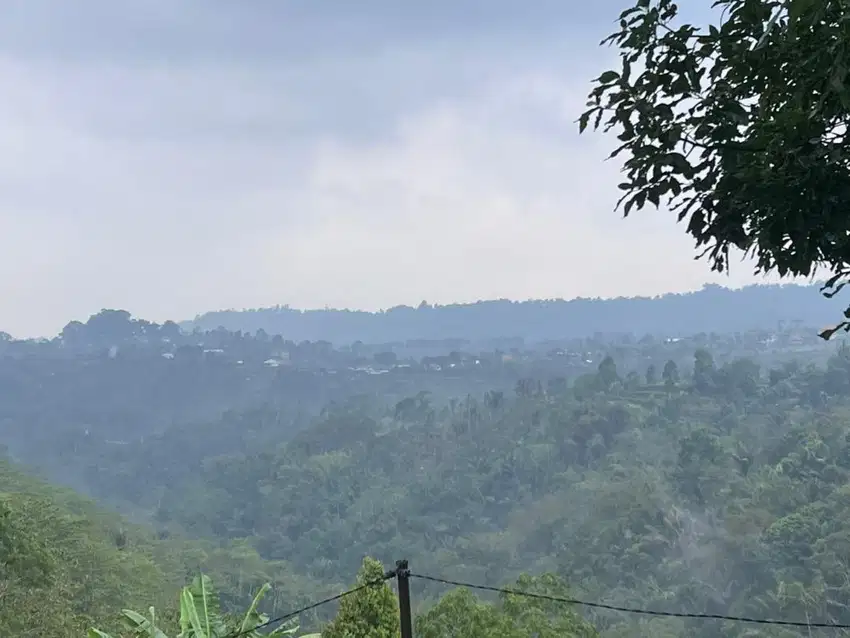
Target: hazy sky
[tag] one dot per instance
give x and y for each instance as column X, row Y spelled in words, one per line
column 171, row 157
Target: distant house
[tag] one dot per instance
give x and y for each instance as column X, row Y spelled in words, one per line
column 279, row 359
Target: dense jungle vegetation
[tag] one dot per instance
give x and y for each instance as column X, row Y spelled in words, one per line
column 717, row 490
column 66, row 564
column 668, row 475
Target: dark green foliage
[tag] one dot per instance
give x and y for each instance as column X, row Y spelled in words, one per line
column 369, row 613
column 65, row 565
column 708, row 494
column 670, row 374
column 704, row 371
column 60, row 569
column 739, row 128
column 720, row 488
column 460, row 613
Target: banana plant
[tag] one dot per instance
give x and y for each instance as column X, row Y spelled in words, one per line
column 141, row 626
column 201, row 617
column 254, row 618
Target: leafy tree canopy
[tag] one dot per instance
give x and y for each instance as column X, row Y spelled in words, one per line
column 739, row 128
column 461, row 614
column 371, row 612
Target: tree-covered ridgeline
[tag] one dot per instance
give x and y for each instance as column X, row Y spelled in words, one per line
column 498, row 321
column 698, row 485
column 713, row 488
column 120, row 390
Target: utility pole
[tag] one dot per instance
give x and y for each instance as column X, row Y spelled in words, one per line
column 402, row 573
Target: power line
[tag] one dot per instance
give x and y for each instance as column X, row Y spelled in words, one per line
column 297, row 612
column 634, row 610
column 402, row 571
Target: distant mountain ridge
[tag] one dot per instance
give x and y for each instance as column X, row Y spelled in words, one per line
column 712, row 309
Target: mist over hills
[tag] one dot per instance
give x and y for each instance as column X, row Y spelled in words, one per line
column 711, row 309
column 680, row 471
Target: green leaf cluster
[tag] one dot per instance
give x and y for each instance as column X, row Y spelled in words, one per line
column 739, row 128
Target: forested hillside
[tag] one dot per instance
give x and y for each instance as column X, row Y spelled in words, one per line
column 666, row 467
column 63, row 565
column 712, row 309
column 721, row 493
column 704, row 473
column 123, row 393
column 66, row 564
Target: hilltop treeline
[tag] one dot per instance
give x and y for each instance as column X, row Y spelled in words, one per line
column 712, row 309
column 704, row 474
column 697, row 485
column 105, row 386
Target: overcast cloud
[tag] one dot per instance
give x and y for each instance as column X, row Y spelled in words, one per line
column 172, row 157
